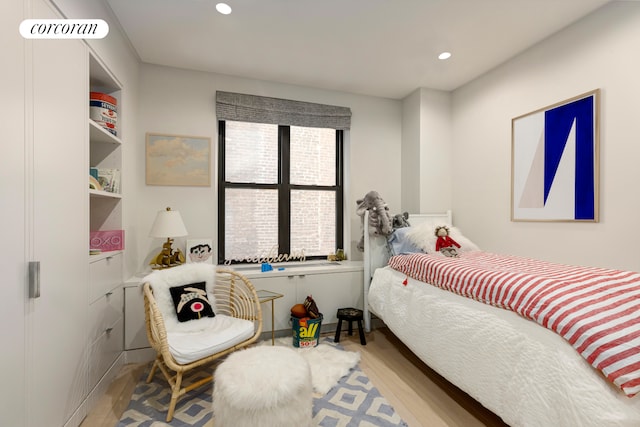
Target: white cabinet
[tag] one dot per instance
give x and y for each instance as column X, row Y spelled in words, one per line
column 106, row 301
column 134, row 337
column 105, row 285
column 56, row 228
column 13, row 182
column 135, row 334
column 136, row 344
column 332, row 286
column 285, row 285
column 47, row 338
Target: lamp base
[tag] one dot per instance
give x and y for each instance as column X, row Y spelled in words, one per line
column 168, row 257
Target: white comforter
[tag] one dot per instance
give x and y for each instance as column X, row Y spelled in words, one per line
column 524, row 373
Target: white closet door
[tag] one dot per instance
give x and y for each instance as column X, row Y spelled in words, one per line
column 57, row 320
column 12, row 228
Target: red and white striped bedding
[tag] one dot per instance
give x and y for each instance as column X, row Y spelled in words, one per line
column 596, row 310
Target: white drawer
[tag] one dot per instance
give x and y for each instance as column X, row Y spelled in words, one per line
column 105, row 312
column 104, row 275
column 104, row 352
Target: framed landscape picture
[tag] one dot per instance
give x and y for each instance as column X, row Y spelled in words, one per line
column 555, row 161
column 178, row 160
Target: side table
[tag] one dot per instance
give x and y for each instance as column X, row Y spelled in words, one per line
column 266, row 296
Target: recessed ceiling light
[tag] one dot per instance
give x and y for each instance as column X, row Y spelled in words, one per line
column 444, row 55
column 223, row 8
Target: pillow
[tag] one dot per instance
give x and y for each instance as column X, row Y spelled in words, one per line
column 399, row 244
column 423, row 236
column 190, row 302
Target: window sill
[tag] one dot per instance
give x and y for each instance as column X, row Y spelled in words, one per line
column 252, row 271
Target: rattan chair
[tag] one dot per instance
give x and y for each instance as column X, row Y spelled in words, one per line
column 235, row 302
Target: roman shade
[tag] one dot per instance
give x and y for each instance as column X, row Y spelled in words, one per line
column 261, row 109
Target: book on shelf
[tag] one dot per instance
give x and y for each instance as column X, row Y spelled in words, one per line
column 109, row 179
column 106, row 240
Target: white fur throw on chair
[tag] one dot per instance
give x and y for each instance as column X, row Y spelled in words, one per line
column 162, row 280
column 263, row 387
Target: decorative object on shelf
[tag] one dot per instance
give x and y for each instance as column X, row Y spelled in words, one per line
column 103, row 109
column 94, row 184
column 200, row 250
column 271, row 257
column 106, row 240
column 554, row 161
column 168, row 224
column 178, row 160
column 109, row 179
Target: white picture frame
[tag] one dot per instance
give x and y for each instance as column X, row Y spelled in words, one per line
column 199, row 250
column 555, row 161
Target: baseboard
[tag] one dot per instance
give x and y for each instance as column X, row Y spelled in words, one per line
column 377, row 323
column 94, row 395
column 78, row 415
column 101, row 388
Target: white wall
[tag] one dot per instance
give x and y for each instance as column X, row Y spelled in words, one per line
column 182, row 102
column 410, row 153
column 426, row 151
column 436, row 170
column 599, row 51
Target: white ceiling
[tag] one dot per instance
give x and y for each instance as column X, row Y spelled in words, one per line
column 385, row 48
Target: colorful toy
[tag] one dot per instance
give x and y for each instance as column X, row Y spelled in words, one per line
column 445, row 244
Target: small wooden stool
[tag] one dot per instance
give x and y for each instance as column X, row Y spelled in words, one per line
column 350, row 314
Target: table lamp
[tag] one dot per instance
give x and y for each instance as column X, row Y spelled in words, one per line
column 168, row 224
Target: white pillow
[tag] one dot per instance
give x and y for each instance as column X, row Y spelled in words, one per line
column 423, row 236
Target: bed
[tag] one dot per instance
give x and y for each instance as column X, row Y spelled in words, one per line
column 524, row 372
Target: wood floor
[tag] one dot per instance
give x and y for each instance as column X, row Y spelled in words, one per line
column 419, row 395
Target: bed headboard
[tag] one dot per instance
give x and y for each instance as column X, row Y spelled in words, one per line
column 376, row 252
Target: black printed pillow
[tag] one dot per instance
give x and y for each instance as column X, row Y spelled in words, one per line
column 191, row 302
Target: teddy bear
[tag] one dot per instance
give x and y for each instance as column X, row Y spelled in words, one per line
column 380, row 220
column 401, row 220
column 445, row 244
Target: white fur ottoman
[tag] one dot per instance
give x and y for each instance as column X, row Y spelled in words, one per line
column 263, row 387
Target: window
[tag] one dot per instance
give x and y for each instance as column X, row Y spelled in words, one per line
column 280, row 191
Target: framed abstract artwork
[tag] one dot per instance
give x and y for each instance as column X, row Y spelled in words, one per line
column 178, row 160
column 555, row 161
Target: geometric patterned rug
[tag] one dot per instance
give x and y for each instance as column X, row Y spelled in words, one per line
column 353, row 402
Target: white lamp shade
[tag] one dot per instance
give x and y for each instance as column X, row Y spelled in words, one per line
column 167, row 224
